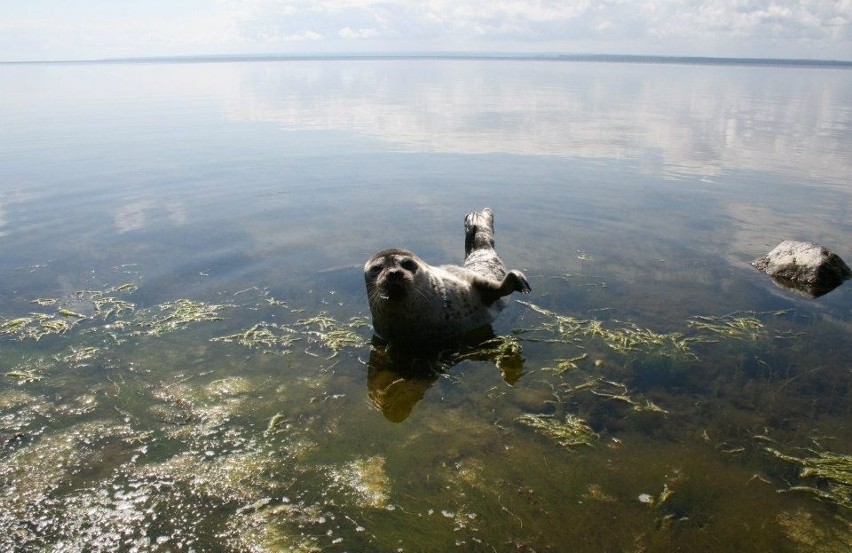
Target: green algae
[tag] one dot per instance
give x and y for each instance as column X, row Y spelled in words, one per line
column 833, row 469
column 251, row 510
column 261, row 530
column 24, row 376
column 71, row 314
column 115, row 317
column 570, row 431
column 746, row 327
column 595, row 492
column 365, row 479
column 565, row 365
column 623, row 338
column 618, row 392
column 811, row 537
column 331, row 334
column 108, row 306
column 192, row 412
column 504, row 351
column 192, row 500
column 323, row 331
column 34, row 474
column 179, row 314
column 13, row 399
column 232, row 386
column 36, row 326
column 268, row 337
column 205, row 433
column 78, row 355
column 274, row 422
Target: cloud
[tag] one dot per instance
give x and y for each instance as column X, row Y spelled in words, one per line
column 612, row 25
column 789, row 28
column 348, row 32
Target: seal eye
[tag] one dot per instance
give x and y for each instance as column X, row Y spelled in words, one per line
column 409, row 265
column 374, row 271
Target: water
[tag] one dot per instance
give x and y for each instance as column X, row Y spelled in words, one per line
column 190, row 238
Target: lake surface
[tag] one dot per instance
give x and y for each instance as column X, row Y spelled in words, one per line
column 186, row 350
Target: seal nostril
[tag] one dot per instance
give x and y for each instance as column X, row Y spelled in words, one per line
column 395, row 275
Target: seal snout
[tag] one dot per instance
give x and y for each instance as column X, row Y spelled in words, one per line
column 393, row 286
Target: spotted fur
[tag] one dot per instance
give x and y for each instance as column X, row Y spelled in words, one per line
column 418, row 305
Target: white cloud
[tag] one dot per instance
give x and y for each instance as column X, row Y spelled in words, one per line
column 792, row 28
column 552, row 24
column 348, row 32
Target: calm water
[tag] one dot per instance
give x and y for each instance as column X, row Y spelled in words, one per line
column 186, row 362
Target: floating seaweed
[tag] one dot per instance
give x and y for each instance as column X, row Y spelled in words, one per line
column 570, row 432
column 745, row 327
column 834, row 469
column 565, row 365
column 628, row 338
column 331, row 334
column 24, row 376
column 126, row 287
column 35, row 326
column 618, row 392
column 274, row 422
column 108, row 306
column 180, row 313
column 14, row 326
column 267, row 336
column 322, row 330
column 78, row 355
column 71, row 314
column 494, row 348
column 503, row 351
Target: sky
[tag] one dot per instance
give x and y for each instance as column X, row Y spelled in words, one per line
column 36, row 30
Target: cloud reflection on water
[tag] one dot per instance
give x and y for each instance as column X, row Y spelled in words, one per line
column 674, row 121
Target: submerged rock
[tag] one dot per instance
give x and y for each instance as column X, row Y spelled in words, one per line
column 805, row 267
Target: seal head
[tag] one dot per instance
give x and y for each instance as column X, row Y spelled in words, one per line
column 390, row 275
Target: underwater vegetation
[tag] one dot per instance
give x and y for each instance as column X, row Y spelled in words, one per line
column 247, row 424
column 570, row 432
column 832, row 468
column 625, row 337
column 320, row 330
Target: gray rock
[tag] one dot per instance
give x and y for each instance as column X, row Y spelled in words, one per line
column 805, row 267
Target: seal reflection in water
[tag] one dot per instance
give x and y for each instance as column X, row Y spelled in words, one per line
column 398, row 380
column 418, row 306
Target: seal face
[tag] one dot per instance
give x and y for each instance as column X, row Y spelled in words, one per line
column 418, row 305
column 390, row 275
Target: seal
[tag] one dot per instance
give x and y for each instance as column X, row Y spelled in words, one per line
column 418, row 305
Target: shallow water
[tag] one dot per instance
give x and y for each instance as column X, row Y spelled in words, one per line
column 198, row 373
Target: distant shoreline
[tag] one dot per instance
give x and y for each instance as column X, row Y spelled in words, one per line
column 461, row 56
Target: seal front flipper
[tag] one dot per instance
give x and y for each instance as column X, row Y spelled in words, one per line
column 492, row 290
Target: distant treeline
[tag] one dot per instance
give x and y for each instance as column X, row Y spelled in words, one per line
column 601, row 58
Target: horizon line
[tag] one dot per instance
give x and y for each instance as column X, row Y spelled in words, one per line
column 504, row 56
